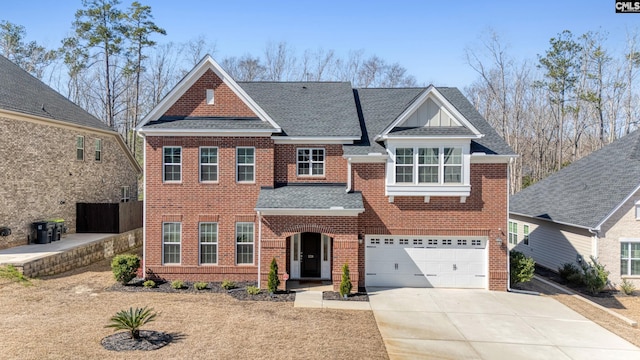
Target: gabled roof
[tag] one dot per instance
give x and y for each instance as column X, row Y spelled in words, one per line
column 308, row 108
column 380, row 108
column 207, row 63
column 21, row 92
column 587, row 192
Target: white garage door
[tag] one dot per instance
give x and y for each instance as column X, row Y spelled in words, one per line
column 431, row 261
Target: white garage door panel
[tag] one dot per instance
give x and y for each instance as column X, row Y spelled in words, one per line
column 394, row 261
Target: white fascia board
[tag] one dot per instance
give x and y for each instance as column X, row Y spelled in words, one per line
column 371, row 158
column 207, row 63
column 431, row 91
column 597, row 228
column 430, row 137
column 314, row 140
column 482, row 158
column 206, row 132
column 309, row 212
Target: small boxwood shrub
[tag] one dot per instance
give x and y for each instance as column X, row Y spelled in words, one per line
column 522, row 267
column 596, row 277
column 627, row 287
column 228, row 285
column 125, row 267
column 253, row 290
column 149, row 284
column 177, row 284
column 570, row 273
column 200, row 285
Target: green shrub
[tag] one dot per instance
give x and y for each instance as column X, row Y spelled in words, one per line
column 345, row 284
column 149, row 284
column 596, row 277
column 228, row 285
column 132, row 320
column 570, row 273
column 521, row 267
column 200, row 285
column 12, row 273
column 253, row 290
column 273, row 281
column 125, row 267
column 627, row 287
column 177, row 284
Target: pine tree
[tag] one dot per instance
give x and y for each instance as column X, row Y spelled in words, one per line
column 345, row 284
column 273, row 282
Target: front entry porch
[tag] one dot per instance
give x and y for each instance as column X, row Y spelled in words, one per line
column 310, row 256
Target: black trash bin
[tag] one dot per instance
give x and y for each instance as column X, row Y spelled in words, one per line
column 44, row 231
column 58, row 228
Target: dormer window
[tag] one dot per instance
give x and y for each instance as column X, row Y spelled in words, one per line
column 210, row 97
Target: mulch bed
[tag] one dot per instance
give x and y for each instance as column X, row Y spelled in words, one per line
column 555, row 277
column 239, row 293
column 149, row 340
column 334, row 295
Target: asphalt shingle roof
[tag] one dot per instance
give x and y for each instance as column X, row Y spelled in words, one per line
column 587, row 191
column 309, row 197
column 175, row 122
column 23, row 93
column 308, row 108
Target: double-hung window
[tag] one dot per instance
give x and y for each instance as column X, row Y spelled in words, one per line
column 124, row 194
column 630, row 258
column 525, row 237
column 244, row 243
column 452, row 165
column 98, row 146
column 428, row 165
column 404, row 165
column 310, row 162
column 171, row 234
column 80, row 148
column 513, row 233
column 172, row 164
column 208, row 243
column 245, row 164
column 208, row 164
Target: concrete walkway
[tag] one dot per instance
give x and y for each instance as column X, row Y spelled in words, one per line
column 480, row 324
column 313, row 299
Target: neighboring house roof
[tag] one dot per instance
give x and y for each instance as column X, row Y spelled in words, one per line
column 21, row 92
column 587, row 192
column 308, row 108
column 309, row 197
column 177, row 122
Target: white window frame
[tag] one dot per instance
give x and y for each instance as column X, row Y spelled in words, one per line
column 525, row 234
column 203, row 243
column 415, row 165
column 405, row 165
column 310, row 162
column 627, row 242
column 80, row 148
column 251, row 243
column 513, row 233
column 164, row 164
column 201, row 164
column 165, row 243
column 125, row 195
column 637, row 210
column 252, row 165
column 98, row 148
column 210, row 97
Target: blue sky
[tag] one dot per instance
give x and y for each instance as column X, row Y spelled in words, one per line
column 426, row 37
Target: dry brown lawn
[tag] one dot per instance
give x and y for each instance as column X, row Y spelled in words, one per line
column 63, row 318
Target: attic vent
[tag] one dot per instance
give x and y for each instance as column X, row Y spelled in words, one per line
column 210, row 98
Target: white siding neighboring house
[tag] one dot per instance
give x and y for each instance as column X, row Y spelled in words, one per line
column 589, row 208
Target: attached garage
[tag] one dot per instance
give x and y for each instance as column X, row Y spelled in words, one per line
column 426, row 261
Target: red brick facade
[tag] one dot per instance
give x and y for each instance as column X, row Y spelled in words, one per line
column 226, row 202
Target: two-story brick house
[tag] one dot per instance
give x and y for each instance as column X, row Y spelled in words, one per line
column 407, row 186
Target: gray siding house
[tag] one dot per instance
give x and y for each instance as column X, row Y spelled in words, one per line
column 53, row 154
column 590, row 208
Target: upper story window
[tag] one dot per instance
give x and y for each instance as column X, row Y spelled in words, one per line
column 437, row 165
column 80, row 147
column 245, row 164
column 210, row 97
column 98, row 149
column 525, row 237
column 310, row 162
column 513, row 233
column 172, row 164
column 124, row 194
column 208, row 164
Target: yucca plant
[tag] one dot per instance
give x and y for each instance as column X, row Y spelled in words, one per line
column 132, row 320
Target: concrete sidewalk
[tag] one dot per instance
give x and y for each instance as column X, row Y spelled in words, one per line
column 313, row 299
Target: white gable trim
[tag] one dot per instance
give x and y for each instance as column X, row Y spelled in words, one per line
column 207, row 63
column 432, row 92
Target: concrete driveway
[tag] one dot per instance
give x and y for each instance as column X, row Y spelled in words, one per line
column 479, row 324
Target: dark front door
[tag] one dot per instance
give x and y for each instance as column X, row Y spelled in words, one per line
column 310, row 255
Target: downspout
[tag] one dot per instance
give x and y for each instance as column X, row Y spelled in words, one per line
column 595, row 238
column 144, row 207
column 259, row 247
column 506, row 240
column 348, row 174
